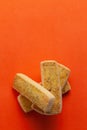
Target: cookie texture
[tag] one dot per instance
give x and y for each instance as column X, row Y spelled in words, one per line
column 34, row 92
column 51, row 81
column 24, row 103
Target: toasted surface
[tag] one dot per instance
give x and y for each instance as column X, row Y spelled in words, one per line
column 51, row 81
column 27, row 106
column 66, row 88
column 64, row 74
column 33, row 91
column 24, row 103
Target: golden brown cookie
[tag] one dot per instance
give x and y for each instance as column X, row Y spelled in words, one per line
column 51, row 81
column 24, row 103
column 34, row 92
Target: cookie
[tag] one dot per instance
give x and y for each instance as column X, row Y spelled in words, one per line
column 24, row 103
column 34, row 92
column 64, row 74
column 51, row 81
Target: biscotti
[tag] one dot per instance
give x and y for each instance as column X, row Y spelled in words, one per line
column 54, row 78
column 64, row 74
column 34, row 92
column 51, row 81
column 24, row 103
column 27, row 105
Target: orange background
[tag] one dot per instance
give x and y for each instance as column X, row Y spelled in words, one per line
column 34, row 30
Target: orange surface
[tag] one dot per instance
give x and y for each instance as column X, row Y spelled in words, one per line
column 34, row 30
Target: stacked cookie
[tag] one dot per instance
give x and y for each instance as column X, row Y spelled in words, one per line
column 45, row 97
